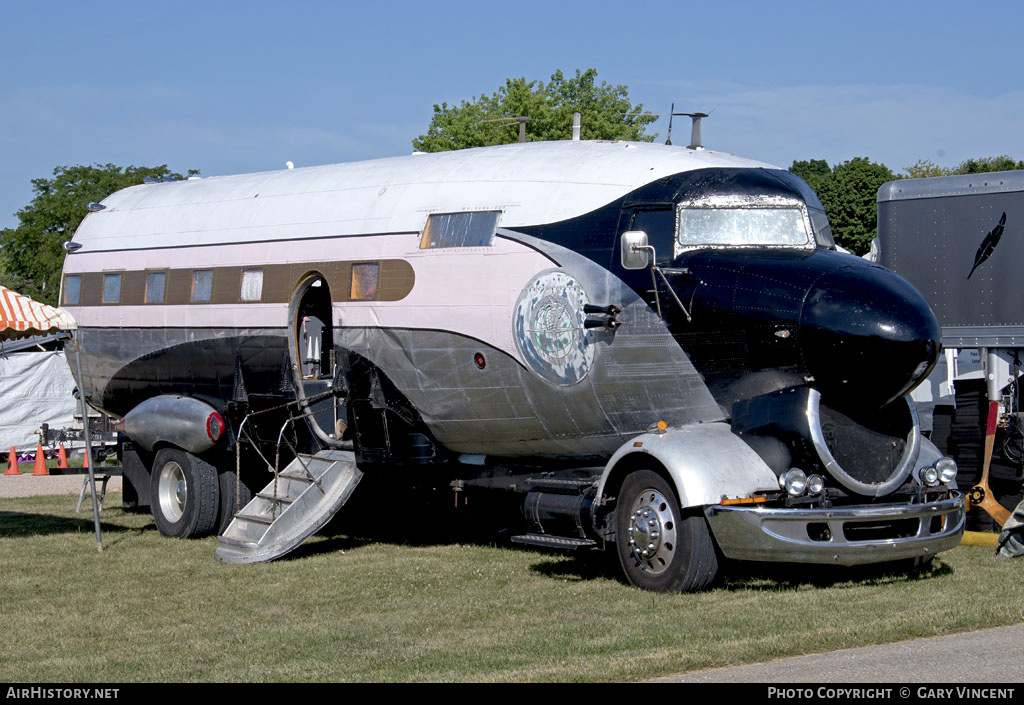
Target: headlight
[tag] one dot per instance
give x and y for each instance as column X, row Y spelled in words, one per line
column 946, row 468
column 794, row 481
column 815, row 484
column 930, row 476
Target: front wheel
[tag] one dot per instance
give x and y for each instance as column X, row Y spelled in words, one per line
column 184, row 494
column 660, row 547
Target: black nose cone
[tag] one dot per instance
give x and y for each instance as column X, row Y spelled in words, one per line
column 867, row 336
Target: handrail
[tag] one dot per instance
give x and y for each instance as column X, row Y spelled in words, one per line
column 243, row 434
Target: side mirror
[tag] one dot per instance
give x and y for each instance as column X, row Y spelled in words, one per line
column 633, row 249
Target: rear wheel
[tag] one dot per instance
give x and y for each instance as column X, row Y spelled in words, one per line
column 660, row 547
column 184, row 494
column 228, row 494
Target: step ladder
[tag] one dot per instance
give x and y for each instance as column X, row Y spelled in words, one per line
column 291, row 508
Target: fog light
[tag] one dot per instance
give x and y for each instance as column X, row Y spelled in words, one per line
column 946, row 467
column 930, row 476
column 794, row 481
column 815, row 484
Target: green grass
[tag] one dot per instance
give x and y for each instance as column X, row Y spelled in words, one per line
column 362, row 606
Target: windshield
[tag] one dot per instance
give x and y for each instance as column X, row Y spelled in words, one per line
column 732, row 227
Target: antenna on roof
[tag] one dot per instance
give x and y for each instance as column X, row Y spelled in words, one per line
column 695, row 139
column 522, row 120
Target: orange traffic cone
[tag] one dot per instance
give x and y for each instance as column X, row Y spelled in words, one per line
column 62, row 457
column 40, row 465
column 12, row 463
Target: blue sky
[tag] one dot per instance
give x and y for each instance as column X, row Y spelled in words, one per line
column 230, row 87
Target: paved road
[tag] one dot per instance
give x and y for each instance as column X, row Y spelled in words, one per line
column 989, row 656
column 28, row 485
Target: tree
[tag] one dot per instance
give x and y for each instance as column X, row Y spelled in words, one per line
column 849, row 193
column 849, row 190
column 986, row 164
column 926, row 167
column 606, row 113
column 814, row 172
column 32, row 254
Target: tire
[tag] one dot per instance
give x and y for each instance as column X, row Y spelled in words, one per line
column 683, row 557
column 184, row 494
column 227, row 499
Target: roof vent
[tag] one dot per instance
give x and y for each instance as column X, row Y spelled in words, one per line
column 695, row 139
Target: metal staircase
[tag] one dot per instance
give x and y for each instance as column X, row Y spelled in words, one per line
column 295, row 505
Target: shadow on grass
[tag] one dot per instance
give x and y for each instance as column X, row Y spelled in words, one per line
column 790, row 576
column 754, row 576
column 22, row 524
column 347, row 532
column 386, row 518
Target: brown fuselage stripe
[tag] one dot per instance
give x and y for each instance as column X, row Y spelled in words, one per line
column 395, row 280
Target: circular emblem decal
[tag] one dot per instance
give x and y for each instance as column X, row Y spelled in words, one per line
column 549, row 328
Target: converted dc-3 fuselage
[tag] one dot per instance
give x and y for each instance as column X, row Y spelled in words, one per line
column 660, row 347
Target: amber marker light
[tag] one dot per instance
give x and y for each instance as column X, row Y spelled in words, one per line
column 744, row 500
column 662, row 426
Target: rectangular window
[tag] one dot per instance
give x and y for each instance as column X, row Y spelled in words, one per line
column 155, row 283
column 111, row 288
column 474, row 229
column 202, row 286
column 742, row 226
column 252, row 285
column 364, row 281
column 72, row 289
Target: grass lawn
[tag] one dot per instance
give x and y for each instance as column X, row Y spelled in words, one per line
column 425, row 604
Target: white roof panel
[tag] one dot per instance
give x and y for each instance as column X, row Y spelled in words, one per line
column 538, row 182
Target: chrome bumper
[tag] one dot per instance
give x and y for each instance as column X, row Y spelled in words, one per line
column 839, row 535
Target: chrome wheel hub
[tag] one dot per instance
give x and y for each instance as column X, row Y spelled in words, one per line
column 652, row 531
column 173, row 491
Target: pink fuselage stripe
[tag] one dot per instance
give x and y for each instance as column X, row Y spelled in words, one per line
column 469, row 291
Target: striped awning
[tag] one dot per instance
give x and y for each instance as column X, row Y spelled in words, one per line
column 21, row 316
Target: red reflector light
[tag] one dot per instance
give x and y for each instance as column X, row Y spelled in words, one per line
column 214, row 426
column 480, row 361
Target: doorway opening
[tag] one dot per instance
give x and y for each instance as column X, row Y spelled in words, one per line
column 314, row 358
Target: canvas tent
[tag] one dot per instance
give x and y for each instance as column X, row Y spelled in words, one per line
column 21, row 317
column 35, row 388
column 35, row 383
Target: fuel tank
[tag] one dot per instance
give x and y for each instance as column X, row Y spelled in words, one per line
column 763, row 319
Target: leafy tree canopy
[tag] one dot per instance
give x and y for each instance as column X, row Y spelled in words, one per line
column 32, row 254
column 606, row 113
column 849, row 193
column 849, row 190
column 813, row 171
column 926, row 167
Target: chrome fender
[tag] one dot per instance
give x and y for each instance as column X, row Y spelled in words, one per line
column 707, row 462
column 184, row 422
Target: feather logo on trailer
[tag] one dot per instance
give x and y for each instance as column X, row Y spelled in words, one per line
column 988, row 245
